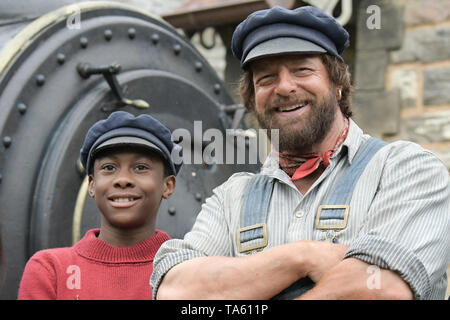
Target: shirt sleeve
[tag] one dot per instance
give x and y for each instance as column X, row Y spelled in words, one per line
column 38, row 280
column 208, row 237
column 407, row 226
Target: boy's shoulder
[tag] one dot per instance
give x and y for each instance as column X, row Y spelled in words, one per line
column 54, row 257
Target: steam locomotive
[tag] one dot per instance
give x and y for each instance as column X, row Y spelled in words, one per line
column 61, row 70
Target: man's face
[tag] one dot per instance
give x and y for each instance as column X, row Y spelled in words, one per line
column 293, row 94
column 128, row 187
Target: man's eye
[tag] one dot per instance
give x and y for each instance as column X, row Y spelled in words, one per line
column 302, row 71
column 265, row 80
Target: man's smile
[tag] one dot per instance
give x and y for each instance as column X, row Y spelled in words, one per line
column 289, row 108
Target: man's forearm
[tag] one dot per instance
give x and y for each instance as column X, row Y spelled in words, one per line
column 258, row 276
column 351, row 280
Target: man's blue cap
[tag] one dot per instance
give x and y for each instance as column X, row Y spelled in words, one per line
column 123, row 129
column 278, row 31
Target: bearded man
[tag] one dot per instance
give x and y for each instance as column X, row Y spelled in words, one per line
column 331, row 205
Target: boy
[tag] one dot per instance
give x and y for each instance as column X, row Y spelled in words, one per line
column 130, row 168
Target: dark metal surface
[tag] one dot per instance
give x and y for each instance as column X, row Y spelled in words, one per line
column 13, row 11
column 46, row 107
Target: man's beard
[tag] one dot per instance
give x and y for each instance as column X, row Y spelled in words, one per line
column 295, row 139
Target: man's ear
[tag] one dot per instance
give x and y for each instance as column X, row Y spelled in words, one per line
column 169, row 186
column 91, row 186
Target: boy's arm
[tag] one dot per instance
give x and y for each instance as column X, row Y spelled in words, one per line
column 258, row 276
column 37, row 283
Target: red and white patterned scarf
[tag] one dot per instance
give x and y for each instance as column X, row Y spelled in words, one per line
column 300, row 166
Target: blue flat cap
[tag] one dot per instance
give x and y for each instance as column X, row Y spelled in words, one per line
column 278, row 30
column 124, row 129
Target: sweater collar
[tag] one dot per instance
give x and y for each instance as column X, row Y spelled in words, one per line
column 91, row 247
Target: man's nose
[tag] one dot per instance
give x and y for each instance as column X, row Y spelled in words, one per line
column 286, row 83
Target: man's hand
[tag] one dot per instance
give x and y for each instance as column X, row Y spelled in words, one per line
column 349, row 280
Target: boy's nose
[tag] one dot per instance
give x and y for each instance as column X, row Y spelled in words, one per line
column 123, row 181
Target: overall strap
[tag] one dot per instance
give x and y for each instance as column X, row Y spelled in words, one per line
column 333, row 214
column 254, row 214
column 343, row 190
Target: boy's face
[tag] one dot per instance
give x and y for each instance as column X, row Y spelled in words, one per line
column 128, row 186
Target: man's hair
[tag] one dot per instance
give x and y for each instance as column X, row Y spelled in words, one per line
column 338, row 73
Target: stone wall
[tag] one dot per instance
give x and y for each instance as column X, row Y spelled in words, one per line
column 402, row 73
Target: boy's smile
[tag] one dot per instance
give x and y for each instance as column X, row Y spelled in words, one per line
column 128, row 185
column 123, row 200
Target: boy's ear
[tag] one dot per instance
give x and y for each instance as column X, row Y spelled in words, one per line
column 91, row 186
column 169, row 186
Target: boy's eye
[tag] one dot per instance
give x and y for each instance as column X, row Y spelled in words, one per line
column 108, row 167
column 141, row 167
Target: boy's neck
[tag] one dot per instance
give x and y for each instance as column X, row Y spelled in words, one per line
column 124, row 237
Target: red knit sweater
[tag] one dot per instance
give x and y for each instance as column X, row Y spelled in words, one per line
column 92, row 269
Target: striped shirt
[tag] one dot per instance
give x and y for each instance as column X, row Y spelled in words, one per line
column 399, row 215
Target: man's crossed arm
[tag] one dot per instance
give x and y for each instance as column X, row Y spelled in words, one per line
column 265, row 274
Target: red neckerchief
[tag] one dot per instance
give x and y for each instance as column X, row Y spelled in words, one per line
column 300, row 166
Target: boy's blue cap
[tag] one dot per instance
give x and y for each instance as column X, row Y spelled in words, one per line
column 122, row 129
column 278, row 30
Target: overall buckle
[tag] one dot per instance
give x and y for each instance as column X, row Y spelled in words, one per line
column 323, row 208
column 256, row 246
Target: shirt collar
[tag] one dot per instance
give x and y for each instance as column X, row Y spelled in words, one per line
column 353, row 141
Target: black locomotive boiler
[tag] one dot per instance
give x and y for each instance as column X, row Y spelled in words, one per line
column 67, row 68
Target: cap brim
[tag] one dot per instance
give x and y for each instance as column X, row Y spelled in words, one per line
column 128, row 141
column 282, row 45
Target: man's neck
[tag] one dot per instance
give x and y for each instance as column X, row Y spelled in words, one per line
column 329, row 141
